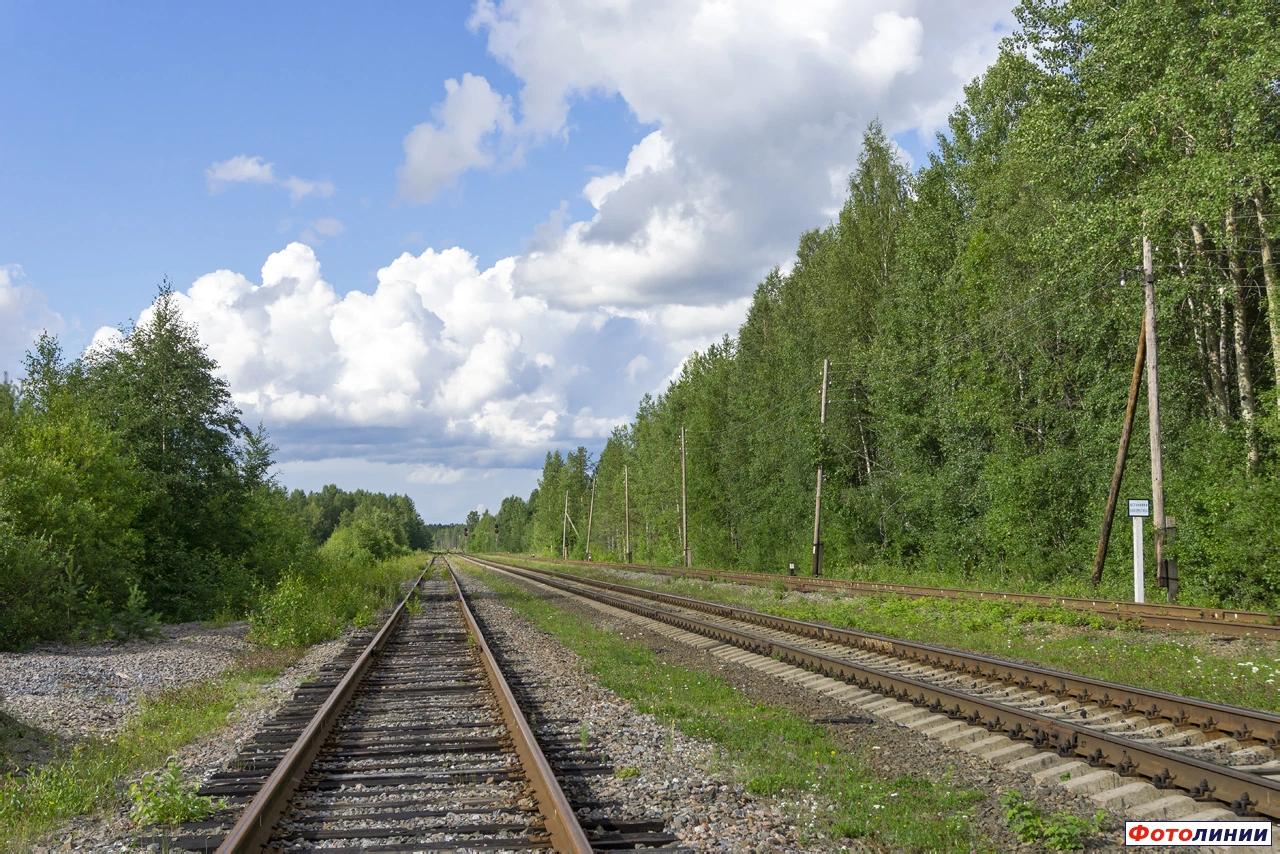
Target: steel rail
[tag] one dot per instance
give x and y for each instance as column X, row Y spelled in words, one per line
column 1243, row 791
column 1238, row 722
column 562, row 824
column 252, row 829
column 1224, row 621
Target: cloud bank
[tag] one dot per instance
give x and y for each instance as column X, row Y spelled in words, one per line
column 752, row 115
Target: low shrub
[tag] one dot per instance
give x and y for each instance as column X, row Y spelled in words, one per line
column 163, row 797
column 1060, row 831
column 345, row 586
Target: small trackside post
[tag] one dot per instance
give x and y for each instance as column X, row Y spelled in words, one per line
column 1139, row 509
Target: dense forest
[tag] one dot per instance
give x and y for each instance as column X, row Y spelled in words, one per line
column 981, row 317
column 131, row 491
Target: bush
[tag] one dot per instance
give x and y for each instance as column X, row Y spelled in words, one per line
column 1228, row 545
column 344, row 586
column 163, row 797
column 1060, row 831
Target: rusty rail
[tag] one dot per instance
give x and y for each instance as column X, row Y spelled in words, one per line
column 1244, row 791
column 1240, row 723
column 253, row 828
column 562, row 825
column 1223, row 621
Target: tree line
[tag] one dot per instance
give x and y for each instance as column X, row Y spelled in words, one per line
column 981, row 316
column 131, row 490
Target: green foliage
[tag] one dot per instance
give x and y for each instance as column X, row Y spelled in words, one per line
column 163, row 797
column 134, row 619
column 326, row 510
column 346, row 585
column 1060, row 831
column 130, row 492
column 981, row 337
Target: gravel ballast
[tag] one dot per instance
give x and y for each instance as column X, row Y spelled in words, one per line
column 892, row 750
column 116, row 832
column 668, row 775
column 75, row 692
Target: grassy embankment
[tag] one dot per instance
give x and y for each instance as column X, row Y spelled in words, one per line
column 91, row 776
column 771, row 749
column 1241, row 672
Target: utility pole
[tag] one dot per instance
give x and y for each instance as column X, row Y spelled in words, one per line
column 626, row 512
column 591, row 509
column 564, row 529
column 684, row 505
column 1131, row 408
column 817, row 488
column 1153, row 405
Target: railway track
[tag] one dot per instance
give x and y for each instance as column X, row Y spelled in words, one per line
column 1217, row 755
column 1221, row 621
column 415, row 740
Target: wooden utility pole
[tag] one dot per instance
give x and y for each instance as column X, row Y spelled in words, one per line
column 591, row 509
column 817, row 488
column 626, row 513
column 1153, row 404
column 684, row 506
column 1131, row 409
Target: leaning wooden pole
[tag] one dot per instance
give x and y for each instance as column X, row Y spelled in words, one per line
column 1131, row 409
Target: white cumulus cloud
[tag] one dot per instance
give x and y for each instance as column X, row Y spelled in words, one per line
column 752, row 116
column 24, row 314
column 440, row 348
column 468, row 126
column 244, row 169
column 757, row 107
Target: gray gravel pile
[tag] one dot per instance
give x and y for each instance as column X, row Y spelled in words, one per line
column 79, row 691
column 659, row 772
column 201, row 759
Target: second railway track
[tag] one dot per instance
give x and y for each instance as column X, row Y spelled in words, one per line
column 1232, row 622
column 415, row 742
column 1215, row 754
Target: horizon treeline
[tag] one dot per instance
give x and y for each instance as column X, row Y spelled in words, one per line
column 131, row 491
column 981, row 316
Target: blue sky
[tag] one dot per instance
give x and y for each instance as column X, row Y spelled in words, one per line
column 585, row 192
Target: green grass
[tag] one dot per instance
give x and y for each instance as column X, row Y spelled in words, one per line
column 771, row 749
column 1059, row 831
column 91, row 776
column 320, row 604
column 164, row 797
column 1244, row 672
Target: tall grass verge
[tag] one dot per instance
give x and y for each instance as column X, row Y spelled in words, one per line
column 346, row 586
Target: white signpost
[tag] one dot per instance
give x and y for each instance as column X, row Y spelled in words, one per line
column 1139, row 509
